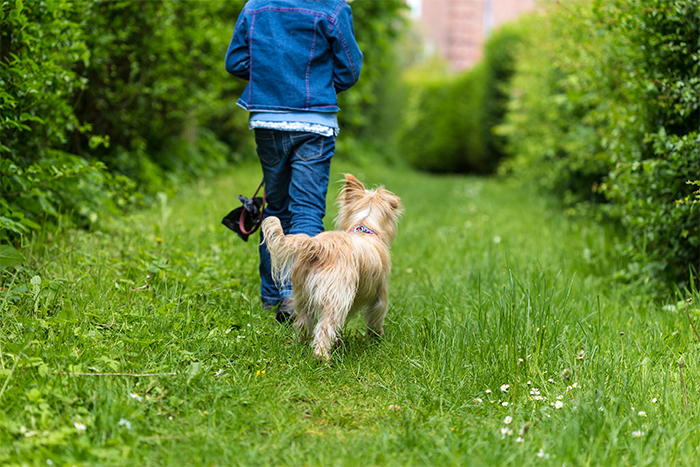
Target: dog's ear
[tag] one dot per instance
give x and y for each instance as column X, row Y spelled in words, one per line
column 352, row 183
column 395, row 203
column 352, row 187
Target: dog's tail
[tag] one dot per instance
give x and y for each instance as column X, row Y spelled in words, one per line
column 284, row 249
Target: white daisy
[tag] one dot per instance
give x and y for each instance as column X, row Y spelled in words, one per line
column 506, row 432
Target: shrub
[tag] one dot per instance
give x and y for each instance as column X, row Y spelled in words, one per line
column 499, row 64
column 98, row 95
column 442, row 129
column 40, row 44
column 155, row 76
column 378, row 26
column 604, row 107
column 448, row 120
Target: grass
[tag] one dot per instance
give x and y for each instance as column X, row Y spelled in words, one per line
column 492, row 286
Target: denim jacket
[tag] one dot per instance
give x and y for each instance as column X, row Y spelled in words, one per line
column 295, row 54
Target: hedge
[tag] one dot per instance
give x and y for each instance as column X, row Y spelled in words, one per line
column 103, row 103
column 604, row 112
column 448, row 121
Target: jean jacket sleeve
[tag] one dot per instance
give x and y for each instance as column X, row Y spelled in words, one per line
column 347, row 57
column 238, row 53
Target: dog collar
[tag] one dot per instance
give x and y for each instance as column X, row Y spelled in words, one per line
column 363, row 229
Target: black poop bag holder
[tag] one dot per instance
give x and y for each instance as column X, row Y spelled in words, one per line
column 246, row 219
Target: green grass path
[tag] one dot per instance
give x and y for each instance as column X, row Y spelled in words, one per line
column 506, row 344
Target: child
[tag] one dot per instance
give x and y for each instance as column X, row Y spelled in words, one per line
column 296, row 56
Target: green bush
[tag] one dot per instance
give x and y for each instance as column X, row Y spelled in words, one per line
column 155, row 77
column 604, row 108
column 40, row 45
column 448, row 120
column 101, row 98
column 378, row 27
column 499, row 63
column 442, row 123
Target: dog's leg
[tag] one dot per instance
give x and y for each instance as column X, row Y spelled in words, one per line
column 304, row 314
column 325, row 336
column 335, row 307
column 304, row 325
column 376, row 313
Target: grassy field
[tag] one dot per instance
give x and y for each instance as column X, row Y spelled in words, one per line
column 506, row 344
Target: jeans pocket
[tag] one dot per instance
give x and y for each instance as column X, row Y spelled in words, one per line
column 308, row 146
column 267, row 147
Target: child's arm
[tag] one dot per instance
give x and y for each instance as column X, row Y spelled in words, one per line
column 238, row 53
column 347, row 57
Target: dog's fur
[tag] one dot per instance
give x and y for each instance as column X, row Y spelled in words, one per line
column 339, row 273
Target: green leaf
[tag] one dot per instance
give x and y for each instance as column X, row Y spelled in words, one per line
column 9, row 257
column 195, row 368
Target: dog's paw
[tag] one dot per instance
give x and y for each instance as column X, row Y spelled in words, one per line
column 322, row 355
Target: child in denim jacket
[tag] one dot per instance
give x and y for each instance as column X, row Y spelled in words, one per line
column 296, row 56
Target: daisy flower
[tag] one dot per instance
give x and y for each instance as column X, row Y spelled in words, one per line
column 558, row 404
column 134, row 395
column 506, row 432
column 507, row 420
column 79, row 426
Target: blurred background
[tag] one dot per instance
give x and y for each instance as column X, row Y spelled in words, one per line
column 595, row 102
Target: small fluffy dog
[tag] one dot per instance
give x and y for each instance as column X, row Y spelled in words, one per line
column 339, row 273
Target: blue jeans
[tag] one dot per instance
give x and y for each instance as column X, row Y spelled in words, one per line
column 296, row 169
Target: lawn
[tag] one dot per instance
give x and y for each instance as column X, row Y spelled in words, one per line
column 507, row 343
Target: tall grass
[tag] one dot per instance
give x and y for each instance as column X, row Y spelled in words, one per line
column 491, row 286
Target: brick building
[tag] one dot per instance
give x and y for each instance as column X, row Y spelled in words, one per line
column 456, row 29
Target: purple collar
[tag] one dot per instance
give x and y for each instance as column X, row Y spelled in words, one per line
column 363, row 229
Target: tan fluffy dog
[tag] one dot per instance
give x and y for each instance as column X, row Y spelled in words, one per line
column 339, row 273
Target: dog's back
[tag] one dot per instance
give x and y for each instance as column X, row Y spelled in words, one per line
column 356, row 263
